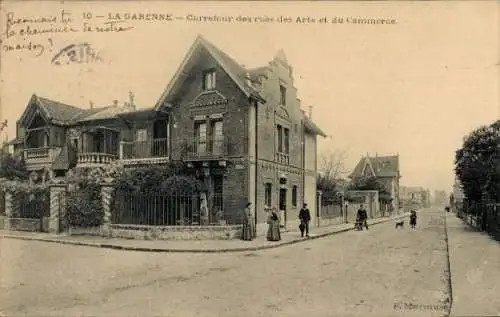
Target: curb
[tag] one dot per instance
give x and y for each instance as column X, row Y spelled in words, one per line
column 161, row 250
column 448, row 264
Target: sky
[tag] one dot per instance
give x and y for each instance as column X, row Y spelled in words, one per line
column 413, row 88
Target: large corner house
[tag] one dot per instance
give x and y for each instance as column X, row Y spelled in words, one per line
column 242, row 130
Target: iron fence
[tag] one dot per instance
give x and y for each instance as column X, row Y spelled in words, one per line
column 31, row 206
column 145, row 149
column 483, row 215
column 156, row 209
column 2, row 203
column 215, row 147
column 30, row 212
column 492, row 219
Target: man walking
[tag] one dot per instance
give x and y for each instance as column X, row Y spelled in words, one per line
column 305, row 217
column 362, row 216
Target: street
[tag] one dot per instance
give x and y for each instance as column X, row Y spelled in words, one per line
column 380, row 272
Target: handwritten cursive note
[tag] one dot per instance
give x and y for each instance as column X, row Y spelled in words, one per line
column 34, row 33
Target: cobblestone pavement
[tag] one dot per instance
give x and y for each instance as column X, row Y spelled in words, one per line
column 379, row 272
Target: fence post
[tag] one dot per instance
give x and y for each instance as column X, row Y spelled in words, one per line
column 106, row 191
column 8, row 210
column 318, row 206
column 56, row 204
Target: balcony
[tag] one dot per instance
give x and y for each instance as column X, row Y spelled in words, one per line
column 39, row 157
column 95, row 159
column 210, row 149
column 144, row 152
column 282, row 158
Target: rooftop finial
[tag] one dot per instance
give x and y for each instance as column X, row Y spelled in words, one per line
column 131, row 97
column 3, row 124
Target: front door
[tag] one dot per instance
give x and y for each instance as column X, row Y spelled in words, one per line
column 282, row 202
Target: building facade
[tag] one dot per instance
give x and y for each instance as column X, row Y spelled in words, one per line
column 385, row 169
column 240, row 131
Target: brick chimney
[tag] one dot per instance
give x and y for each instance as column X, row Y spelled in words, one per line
column 91, row 104
column 115, row 103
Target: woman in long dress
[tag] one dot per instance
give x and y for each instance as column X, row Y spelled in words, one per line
column 273, row 233
column 247, row 232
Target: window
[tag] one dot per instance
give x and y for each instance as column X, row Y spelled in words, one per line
column 217, row 130
column 217, row 137
column 286, row 139
column 282, row 95
column 75, row 144
column 294, row 196
column 282, row 202
column 46, row 139
column 209, row 80
column 200, row 131
column 141, row 135
column 280, row 138
column 267, row 194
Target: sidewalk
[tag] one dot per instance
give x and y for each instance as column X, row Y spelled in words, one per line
column 475, row 270
column 193, row 246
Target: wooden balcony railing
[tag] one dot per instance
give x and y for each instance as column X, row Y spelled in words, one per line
column 197, row 148
column 150, row 149
column 95, row 159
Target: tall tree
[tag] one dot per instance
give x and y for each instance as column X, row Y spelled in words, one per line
column 477, row 163
column 12, row 168
column 331, row 173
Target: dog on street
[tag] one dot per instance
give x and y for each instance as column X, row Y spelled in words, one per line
column 400, row 224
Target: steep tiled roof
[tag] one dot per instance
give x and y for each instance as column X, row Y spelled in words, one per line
column 65, row 114
column 237, row 72
column 386, row 166
column 58, row 111
column 383, row 166
column 232, row 67
column 312, row 126
column 105, row 113
column 17, row 140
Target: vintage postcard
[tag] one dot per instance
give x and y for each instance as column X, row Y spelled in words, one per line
column 249, row 158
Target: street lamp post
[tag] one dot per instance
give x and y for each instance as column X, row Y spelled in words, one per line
column 344, row 204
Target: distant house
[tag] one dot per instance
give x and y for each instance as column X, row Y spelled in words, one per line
column 414, row 195
column 385, row 169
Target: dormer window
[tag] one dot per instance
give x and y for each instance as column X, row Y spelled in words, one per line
column 282, row 95
column 209, row 79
